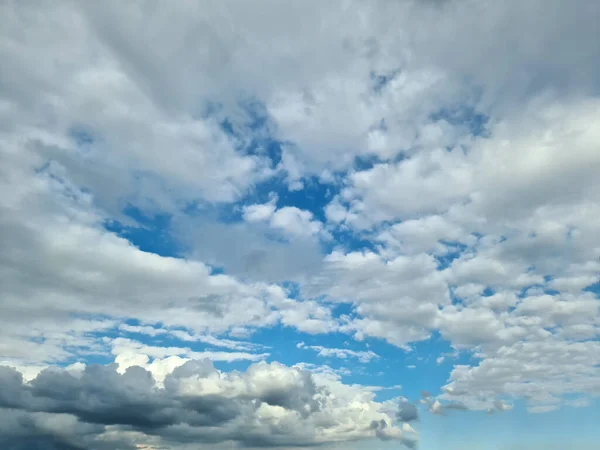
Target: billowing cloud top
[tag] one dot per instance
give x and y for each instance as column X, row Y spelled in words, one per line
column 268, row 405
column 255, row 224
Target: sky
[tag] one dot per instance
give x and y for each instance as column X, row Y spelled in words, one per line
column 343, row 225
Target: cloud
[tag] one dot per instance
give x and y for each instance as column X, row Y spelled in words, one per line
column 540, row 371
column 124, row 91
column 291, row 221
column 510, row 239
column 439, row 408
column 486, row 178
column 395, row 299
column 44, row 431
column 465, row 204
column 54, row 283
column 342, row 353
column 248, row 250
column 408, row 412
column 187, row 337
column 129, row 353
column 256, row 408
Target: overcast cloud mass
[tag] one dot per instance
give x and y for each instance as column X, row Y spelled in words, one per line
column 267, row 224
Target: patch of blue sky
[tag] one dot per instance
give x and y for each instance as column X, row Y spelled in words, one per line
column 464, row 115
column 37, row 339
column 83, row 137
column 488, row 292
column 284, row 342
column 392, row 366
column 369, row 161
column 155, row 233
column 365, row 162
column 314, row 196
column 343, row 309
column 97, row 352
column 96, row 356
column 250, row 130
column 255, row 131
column 455, row 251
column 150, row 234
column 543, row 287
column 380, row 80
column 594, row 289
column 416, row 370
column 350, row 240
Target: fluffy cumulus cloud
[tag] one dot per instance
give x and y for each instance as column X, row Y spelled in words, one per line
column 289, row 220
column 267, row 405
column 218, row 182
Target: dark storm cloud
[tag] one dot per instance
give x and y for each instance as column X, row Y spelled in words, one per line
column 69, row 410
column 103, row 396
column 407, row 412
column 22, row 430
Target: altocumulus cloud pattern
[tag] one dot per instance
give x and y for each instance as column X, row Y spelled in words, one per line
column 299, row 224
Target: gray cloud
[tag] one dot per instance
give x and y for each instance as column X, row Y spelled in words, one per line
column 408, row 412
column 267, row 406
column 245, row 250
column 21, row 430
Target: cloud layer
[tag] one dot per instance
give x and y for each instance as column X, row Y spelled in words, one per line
column 269, row 405
column 272, row 181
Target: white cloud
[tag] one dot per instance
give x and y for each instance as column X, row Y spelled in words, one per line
column 523, row 208
column 55, row 282
column 291, row 221
column 520, row 168
column 307, row 316
column 342, row 353
column 414, row 236
column 540, row 371
column 161, row 360
column 260, row 212
column 188, row 337
column 427, row 183
column 296, row 221
column 396, row 300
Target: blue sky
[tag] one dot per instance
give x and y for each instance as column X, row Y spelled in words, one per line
column 286, row 225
